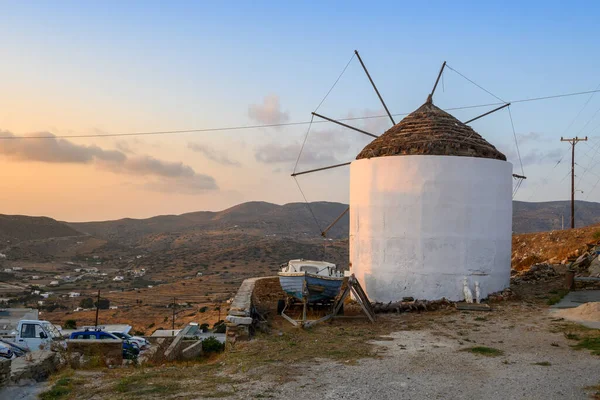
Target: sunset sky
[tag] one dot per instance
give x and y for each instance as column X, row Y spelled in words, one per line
column 69, row 68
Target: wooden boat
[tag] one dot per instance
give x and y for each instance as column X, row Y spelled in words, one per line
column 311, row 281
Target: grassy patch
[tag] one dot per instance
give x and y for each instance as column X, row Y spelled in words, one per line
column 572, row 336
column 589, row 343
column 480, row 319
column 484, row 351
column 557, row 296
column 587, row 338
column 542, row 363
column 62, row 388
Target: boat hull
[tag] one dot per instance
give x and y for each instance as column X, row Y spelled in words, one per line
column 318, row 288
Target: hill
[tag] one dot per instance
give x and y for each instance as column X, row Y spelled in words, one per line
column 548, row 216
column 20, row 228
column 295, row 220
column 290, row 220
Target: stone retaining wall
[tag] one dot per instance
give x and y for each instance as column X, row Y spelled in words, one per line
column 37, row 365
column 4, row 372
column 110, row 352
column 242, row 312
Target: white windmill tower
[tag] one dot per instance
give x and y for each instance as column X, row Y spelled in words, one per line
column 430, row 204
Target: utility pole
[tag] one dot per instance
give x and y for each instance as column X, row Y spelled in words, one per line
column 573, row 142
column 173, row 328
column 97, row 308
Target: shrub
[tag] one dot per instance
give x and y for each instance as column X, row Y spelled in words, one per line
column 86, row 303
column 203, row 309
column 219, row 327
column 70, row 324
column 204, row 326
column 212, row 345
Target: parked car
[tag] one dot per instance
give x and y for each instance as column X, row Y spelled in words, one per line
column 140, row 342
column 129, row 350
column 35, row 334
column 6, row 352
column 16, row 350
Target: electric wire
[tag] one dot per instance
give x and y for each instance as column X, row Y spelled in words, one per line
column 476, row 84
column 308, row 205
column 336, row 81
column 283, row 124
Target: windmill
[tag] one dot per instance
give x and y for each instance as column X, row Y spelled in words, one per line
column 430, row 204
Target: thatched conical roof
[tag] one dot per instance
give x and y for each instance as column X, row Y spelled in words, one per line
column 430, row 130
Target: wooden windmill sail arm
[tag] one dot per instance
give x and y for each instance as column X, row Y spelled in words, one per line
column 344, row 125
column 374, row 87
column 438, row 79
column 320, row 169
column 487, row 113
column 324, row 233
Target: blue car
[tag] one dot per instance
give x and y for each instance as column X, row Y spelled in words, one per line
column 129, row 350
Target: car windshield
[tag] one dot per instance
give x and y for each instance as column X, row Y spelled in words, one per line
column 51, row 329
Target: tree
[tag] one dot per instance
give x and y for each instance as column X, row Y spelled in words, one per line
column 70, row 324
column 103, row 304
column 86, row 303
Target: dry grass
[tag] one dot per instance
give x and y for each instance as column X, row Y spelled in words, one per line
column 531, row 248
column 586, row 338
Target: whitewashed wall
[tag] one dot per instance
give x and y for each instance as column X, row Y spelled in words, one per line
column 420, row 224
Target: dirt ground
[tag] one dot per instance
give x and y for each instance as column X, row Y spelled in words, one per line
column 517, row 350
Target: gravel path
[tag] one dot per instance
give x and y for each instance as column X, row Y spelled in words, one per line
column 429, row 363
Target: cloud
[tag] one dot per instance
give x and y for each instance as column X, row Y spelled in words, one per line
column 269, row 112
column 534, row 157
column 54, row 150
column 176, row 176
column 529, row 137
column 123, row 146
column 322, row 147
column 213, row 155
column 198, row 183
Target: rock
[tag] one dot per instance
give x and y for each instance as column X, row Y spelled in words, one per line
column 239, row 320
column 594, row 268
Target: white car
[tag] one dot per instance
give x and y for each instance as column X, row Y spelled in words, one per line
column 138, row 341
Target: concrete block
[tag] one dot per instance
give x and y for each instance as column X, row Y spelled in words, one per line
column 192, row 351
column 239, row 320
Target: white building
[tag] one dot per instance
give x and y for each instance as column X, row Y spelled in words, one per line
column 53, row 283
column 118, row 278
column 74, row 294
column 430, row 204
column 17, row 269
column 8, row 270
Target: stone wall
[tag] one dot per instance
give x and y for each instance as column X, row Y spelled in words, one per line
column 110, row 352
column 4, row 371
column 242, row 312
column 37, row 365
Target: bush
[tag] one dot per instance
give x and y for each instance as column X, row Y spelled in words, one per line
column 203, row 309
column 204, row 326
column 212, row 345
column 70, row 324
column 103, row 304
column 86, row 303
column 219, row 327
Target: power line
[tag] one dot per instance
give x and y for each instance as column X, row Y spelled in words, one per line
column 479, row 86
column 247, row 127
